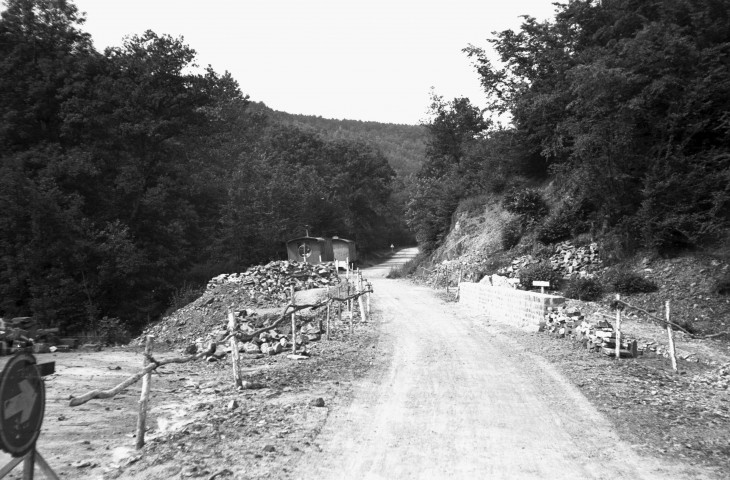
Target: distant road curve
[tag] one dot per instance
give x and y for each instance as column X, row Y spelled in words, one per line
column 399, row 258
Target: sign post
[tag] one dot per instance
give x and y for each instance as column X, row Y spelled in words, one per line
column 22, row 405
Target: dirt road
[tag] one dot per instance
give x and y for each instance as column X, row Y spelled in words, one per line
column 457, row 400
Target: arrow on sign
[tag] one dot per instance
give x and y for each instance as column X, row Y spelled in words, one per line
column 22, row 403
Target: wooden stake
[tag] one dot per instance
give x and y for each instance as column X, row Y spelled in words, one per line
column 293, row 325
column 369, row 287
column 447, row 279
column 361, row 301
column 235, row 354
column 329, row 305
column 670, row 332
column 145, row 396
column 618, row 328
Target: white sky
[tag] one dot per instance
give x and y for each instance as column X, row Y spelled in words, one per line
column 355, row 59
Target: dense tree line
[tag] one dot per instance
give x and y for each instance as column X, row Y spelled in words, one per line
column 624, row 103
column 127, row 172
column 403, row 145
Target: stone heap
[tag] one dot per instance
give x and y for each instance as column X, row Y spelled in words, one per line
column 256, row 297
column 568, row 260
column 571, row 260
column 598, row 337
column 274, row 280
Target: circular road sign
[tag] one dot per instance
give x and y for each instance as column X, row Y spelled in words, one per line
column 22, row 403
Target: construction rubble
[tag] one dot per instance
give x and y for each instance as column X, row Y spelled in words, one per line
column 22, row 334
column 257, row 298
column 568, row 260
column 596, row 337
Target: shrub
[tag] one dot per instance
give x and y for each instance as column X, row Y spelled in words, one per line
column 722, row 286
column 183, row 296
column 113, row 332
column 527, row 203
column 627, row 282
column 586, row 289
column 541, row 271
column 511, row 233
column 555, row 228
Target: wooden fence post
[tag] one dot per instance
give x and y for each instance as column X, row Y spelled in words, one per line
column 293, row 325
column 447, row 278
column 361, row 302
column 329, row 306
column 618, row 327
column 369, row 287
column 235, row 354
column 670, row 332
column 145, row 396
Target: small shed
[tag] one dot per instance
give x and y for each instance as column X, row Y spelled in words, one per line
column 310, row 250
column 344, row 249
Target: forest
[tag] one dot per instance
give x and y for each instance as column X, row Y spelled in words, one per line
column 131, row 175
column 622, row 106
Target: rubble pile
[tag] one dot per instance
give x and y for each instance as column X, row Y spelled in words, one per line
column 257, row 298
column 568, row 260
column 273, row 281
column 23, row 334
column 598, row 337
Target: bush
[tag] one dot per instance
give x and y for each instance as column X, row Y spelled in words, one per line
column 511, row 233
column 722, row 286
column 527, row 203
column 541, row 271
column 183, row 296
column 556, row 228
column 627, row 282
column 112, row 331
column 586, row 289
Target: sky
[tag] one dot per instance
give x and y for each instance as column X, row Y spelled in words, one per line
column 370, row 60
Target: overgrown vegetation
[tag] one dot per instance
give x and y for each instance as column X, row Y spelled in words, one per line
column 541, row 271
column 622, row 104
column 586, row 289
column 407, row 269
column 624, row 281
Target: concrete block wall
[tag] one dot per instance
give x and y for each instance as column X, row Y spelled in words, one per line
column 508, row 305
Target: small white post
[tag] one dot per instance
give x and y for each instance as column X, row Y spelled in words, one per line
column 361, row 300
column 618, row 327
column 329, row 306
column 670, row 332
column 235, row 354
column 369, row 287
column 145, row 396
column 293, row 325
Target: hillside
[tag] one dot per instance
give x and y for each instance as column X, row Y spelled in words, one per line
column 403, row 145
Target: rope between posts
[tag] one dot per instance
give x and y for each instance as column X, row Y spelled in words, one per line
column 616, row 303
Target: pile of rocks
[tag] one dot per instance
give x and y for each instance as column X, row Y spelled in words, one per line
column 568, row 260
column 598, row 337
column 274, row 280
column 571, row 260
column 256, row 297
column 270, row 342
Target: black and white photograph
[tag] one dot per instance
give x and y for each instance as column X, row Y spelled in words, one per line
column 365, row 239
